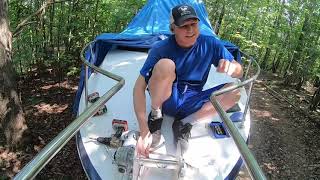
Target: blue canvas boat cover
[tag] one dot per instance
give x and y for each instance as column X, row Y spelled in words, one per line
column 149, row 26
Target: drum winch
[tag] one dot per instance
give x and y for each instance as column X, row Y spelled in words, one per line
column 124, row 155
column 124, row 143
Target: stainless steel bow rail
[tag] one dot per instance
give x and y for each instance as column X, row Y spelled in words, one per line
column 50, row 150
column 251, row 163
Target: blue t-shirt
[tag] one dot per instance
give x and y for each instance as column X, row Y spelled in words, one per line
column 192, row 64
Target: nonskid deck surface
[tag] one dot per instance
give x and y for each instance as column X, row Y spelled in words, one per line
column 208, row 157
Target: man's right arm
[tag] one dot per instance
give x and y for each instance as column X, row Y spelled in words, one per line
column 139, row 103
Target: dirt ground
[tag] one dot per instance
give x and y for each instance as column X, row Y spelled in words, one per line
column 284, row 141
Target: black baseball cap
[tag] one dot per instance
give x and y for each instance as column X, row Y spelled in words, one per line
column 182, row 12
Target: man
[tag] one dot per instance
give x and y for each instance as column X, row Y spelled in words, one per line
column 175, row 72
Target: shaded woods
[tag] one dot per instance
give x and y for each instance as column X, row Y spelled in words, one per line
column 47, row 36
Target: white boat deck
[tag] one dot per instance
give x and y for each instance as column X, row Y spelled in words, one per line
column 211, row 158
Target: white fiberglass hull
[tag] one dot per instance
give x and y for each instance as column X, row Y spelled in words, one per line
column 209, row 157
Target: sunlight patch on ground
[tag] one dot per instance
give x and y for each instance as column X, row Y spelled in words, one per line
column 9, row 160
column 51, row 109
column 64, row 84
column 270, row 167
column 259, row 113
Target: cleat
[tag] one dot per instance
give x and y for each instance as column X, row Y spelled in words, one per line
column 93, row 97
column 101, row 110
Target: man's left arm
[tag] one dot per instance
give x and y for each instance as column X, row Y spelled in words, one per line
column 233, row 68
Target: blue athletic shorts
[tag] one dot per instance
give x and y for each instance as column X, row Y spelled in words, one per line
column 186, row 99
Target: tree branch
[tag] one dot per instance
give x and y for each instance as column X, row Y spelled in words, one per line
column 26, row 22
column 18, row 31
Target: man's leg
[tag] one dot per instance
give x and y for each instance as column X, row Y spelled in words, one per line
column 160, row 88
column 227, row 100
column 160, row 83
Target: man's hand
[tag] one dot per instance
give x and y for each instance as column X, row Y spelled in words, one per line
column 233, row 68
column 144, row 143
column 225, row 66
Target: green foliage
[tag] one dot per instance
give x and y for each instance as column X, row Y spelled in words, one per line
column 283, row 35
column 316, row 68
column 290, row 29
column 72, row 71
column 57, row 35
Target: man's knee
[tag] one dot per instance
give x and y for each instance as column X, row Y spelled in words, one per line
column 165, row 68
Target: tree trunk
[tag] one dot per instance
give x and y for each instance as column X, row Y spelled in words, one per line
column 12, row 118
column 71, row 29
column 275, row 62
column 95, row 20
column 50, row 50
column 288, row 66
column 298, row 53
column 315, row 100
column 301, row 80
column 265, row 58
column 219, row 22
column 213, row 12
column 251, row 30
column 44, row 44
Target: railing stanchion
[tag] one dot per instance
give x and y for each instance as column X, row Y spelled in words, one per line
column 246, row 107
column 247, row 71
column 86, row 85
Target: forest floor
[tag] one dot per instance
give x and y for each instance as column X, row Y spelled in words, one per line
column 285, row 142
